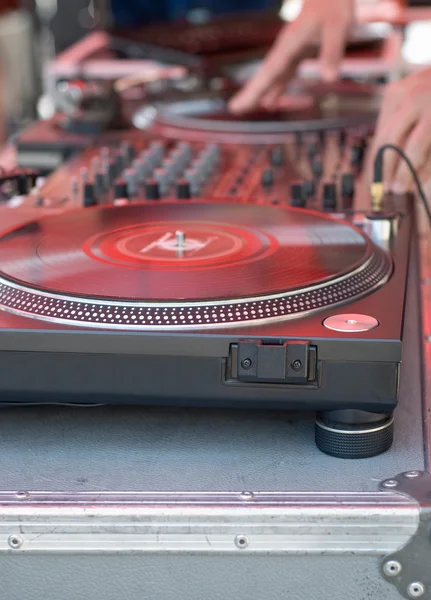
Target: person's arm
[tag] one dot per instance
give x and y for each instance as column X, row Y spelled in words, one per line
column 405, row 121
column 324, row 22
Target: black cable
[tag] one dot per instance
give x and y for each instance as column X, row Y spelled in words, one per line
column 378, row 173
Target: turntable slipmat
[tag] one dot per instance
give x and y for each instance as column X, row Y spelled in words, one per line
column 126, row 267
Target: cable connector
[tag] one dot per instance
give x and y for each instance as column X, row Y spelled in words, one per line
column 377, row 195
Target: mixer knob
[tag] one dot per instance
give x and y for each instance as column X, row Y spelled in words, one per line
column 183, row 190
column 111, row 171
column 267, row 179
column 89, row 196
column 330, row 196
column 100, row 183
column 297, row 197
column 347, row 190
column 131, row 178
column 120, row 162
column 192, row 177
column 22, row 184
column 142, row 170
column 128, row 152
column 277, row 158
column 152, row 190
column 357, row 153
column 120, row 190
column 317, row 167
column 348, row 185
column 309, row 188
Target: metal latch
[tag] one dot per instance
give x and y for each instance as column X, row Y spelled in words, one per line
column 409, row 568
column 291, row 362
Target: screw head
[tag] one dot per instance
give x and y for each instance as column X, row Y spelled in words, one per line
column 247, row 363
column 15, row 541
column 390, row 483
column 247, row 495
column 22, row 494
column 412, row 474
column 391, row 568
column 241, row 541
column 296, row 365
column 416, row 589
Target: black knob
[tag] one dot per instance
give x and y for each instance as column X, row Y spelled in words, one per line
column 100, row 183
column 121, row 189
column 357, row 153
column 89, row 198
column 128, row 152
column 152, row 190
column 317, row 167
column 330, row 196
column 348, row 185
column 112, row 170
column 120, row 162
column 309, row 188
column 267, row 178
column 277, row 157
column 297, row 196
column 183, row 190
column 22, row 184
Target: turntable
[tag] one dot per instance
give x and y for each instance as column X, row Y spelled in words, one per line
column 309, row 107
column 201, row 304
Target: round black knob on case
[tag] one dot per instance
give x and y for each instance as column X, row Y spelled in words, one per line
column 267, row 179
column 152, row 190
column 297, row 197
column 183, row 190
column 330, row 196
column 89, row 198
column 277, row 157
column 121, row 189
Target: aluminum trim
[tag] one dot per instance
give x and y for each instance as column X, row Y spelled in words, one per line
column 273, row 523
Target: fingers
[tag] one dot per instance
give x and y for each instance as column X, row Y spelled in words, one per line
column 417, row 150
column 277, row 65
column 334, row 35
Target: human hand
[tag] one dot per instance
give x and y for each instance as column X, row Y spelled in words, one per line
column 405, row 121
column 326, row 22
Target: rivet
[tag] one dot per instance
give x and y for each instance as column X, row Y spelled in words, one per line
column 416, row 589
column 15, row 541
column 390, row 483
column 412, row 474
column 241, row 541
column 247, row 495
column 392, row 568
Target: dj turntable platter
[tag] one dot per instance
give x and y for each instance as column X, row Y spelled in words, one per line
column 184, row 265
column 316, row 107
